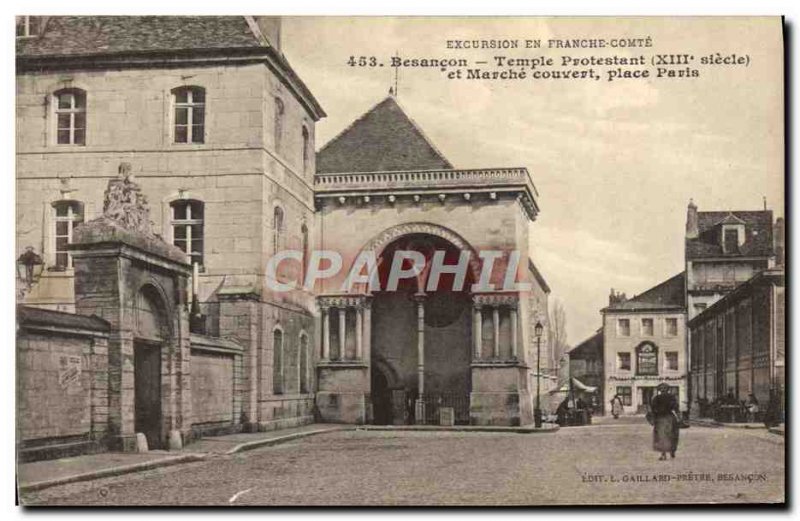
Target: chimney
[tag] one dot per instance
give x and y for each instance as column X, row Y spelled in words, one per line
column 692, row 230
column 779, row 241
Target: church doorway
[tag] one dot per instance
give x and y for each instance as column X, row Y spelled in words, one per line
column 424, row 336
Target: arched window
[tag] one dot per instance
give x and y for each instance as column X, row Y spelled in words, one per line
column 190, row 114
column 70, row 109
column 303, row 363
column 68, row 215
column 277, row 362
column 304, row 267
column 647, row 359
column 277, row 229
column 187, row 228
column 306, row 151
column 278, row 124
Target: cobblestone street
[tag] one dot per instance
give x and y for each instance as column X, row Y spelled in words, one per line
column 607, row 463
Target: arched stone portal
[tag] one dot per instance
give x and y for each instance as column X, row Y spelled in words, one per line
column 423, row 336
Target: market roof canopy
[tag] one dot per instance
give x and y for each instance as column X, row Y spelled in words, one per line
column 576, row 384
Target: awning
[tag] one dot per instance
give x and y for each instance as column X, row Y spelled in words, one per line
column 577, row 385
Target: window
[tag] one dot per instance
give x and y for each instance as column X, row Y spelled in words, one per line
column 28, row 26
column 68, row 215
column 671, row 360
column 278, row 123
column 303, row 363
column 671, row 327
column 306, row 151
column 624, row 392
column 731, row 240
column 70, row 107
column 624, row 361
column 647, row 327
column 187, row 228
column 646, row 359
column 190, row 114
column 277, row 362
column 277, row 229
column 623, row 327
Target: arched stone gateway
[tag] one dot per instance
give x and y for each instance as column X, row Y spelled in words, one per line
column 424, row 354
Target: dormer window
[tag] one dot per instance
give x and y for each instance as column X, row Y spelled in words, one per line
column 732, row 238
column 28, row 26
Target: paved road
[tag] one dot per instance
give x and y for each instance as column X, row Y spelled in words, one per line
column 609, row 463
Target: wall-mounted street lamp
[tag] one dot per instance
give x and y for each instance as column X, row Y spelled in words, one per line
column 538, row 329
column 29, row 267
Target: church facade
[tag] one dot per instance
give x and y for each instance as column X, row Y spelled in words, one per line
column 216, row 128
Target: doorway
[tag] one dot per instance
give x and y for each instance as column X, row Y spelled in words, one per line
column 645, row 397
column 381, row 398
column 147, row 392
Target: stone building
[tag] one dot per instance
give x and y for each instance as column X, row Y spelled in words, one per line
column 218, row 131
column 739, row 342
column 586, row 365
column 644, row 345
column 382, row 186
column 724, row 249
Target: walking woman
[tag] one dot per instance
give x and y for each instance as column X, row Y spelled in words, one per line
column 616, row 406
column 666, row 428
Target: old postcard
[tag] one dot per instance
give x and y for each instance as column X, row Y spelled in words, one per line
column 400, row 260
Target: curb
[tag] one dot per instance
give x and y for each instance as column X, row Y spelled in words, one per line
column 779, row 432
column 464, row 428
column 250, row 445
column 110, row 472
column 727, row 425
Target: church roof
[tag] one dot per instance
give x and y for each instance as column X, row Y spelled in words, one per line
column 757, row 231
column 384, row 139
column 666, row 295
column 86, row 35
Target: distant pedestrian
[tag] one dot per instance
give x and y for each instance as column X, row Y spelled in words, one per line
column 616, row 406
column 666, row 425
column 751, row 404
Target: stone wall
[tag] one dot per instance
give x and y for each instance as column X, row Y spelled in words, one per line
column 62, row 384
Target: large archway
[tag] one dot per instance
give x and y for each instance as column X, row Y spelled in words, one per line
column 412, row 321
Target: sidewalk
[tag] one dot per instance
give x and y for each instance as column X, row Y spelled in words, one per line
column 708, row 422
column 43, row 474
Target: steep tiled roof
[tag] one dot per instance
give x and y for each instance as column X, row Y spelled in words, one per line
column 589, row 348
column 27, row 315
column 384, row 139
column 758, row 234
column 667, row 295
column 86, row 35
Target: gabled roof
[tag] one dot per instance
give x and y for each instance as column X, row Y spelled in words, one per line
column 731, row 219
column 757, row 231
column 86, row 35
column 664, row 296
column 384, row 139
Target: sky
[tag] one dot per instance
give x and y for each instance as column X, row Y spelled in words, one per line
column 615, row 163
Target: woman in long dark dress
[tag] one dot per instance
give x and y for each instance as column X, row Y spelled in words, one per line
column 666, row 428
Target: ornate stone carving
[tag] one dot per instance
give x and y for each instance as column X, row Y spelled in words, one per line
column 126, row 204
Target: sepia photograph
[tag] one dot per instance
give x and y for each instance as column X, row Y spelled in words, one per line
column 384, row 261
